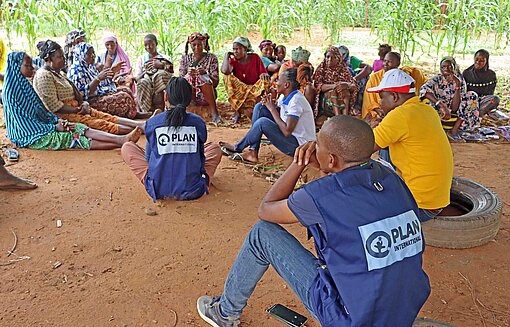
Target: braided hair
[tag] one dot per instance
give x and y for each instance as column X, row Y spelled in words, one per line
column 179, row 93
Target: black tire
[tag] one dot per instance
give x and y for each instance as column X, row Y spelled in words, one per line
column 477, row 226
column 426, row 322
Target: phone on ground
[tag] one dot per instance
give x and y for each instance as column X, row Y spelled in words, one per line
column 286, row 315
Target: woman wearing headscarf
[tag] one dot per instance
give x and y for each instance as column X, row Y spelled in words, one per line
column 62, row 98
column 448, row 94
column 336, row 88
column 267, row 50
column 299, row 56
column 30, row 124
column 115, row 57
column 200, row 69
column 97, row 87
column 482, row 80
column 72, row 38
column 245, row 79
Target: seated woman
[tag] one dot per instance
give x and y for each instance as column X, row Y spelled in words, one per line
column 153, row 71
column 482, row 80
column 176, row 163
column 299, row 56
column 72, row 38
column 267, row 48
column 246, row 77
column 371, row 100
column 287, row 122
column 114, row 56
column 382, row 51
column 360, row 71
column 97, row 87
column 62, row 98
column 29, row 124
column 448, row 94
column 336, row 88
column 200, row 69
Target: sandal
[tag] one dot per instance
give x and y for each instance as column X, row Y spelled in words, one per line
column 12, row 155
column 455, row 138
column 226, row 151
column 239, row 157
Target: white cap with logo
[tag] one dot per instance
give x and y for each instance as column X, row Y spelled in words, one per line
column 395, row 80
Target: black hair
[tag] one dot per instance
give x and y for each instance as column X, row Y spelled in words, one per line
column 395, row 55
column 151, row 37
column 178, row 92
column 47, row 49
column 206, row 44
column 349, row 138
column 385, row 46
column 281, row 46
column 291, row 75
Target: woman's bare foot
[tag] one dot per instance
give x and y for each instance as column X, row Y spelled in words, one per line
column 250, row 156
column 11, row 182
column 134, row 136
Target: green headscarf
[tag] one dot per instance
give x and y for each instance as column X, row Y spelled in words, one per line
column 300, row 55
column 245, row 42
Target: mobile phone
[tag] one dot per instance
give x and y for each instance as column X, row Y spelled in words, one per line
column 286, row 315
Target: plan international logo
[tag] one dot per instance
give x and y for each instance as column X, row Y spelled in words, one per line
column 392, row 239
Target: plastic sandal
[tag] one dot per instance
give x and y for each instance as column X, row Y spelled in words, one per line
column 12, row 154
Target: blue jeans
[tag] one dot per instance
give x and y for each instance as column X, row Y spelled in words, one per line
column 263, row 124
column 268, row 244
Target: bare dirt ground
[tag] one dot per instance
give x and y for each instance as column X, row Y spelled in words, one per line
column 111, row 264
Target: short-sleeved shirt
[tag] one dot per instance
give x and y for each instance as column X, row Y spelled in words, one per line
column 249, row 72
column 266, row 61
column 295, row 105
column 53, row 89
column 420, row 151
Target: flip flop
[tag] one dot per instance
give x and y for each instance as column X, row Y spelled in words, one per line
column 12, row 155
column 239, row 157
column 225, row 150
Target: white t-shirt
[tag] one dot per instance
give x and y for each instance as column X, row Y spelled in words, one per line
column 296, row 106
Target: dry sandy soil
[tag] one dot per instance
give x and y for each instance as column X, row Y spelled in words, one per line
column 122, row 267
column 111, row 264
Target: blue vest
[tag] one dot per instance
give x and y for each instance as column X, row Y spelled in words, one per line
column 176, row 158
column 371, row 246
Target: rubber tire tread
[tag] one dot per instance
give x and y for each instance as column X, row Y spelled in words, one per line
column 477, row 227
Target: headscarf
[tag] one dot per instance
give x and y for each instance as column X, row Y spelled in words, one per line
column 198, row 36
column 265, row 43
column 47, row 49
column 300, row 55
column 121, row 54
column 344, row 52
column 245, row 42
column 81, row 73
column 482, row 81
column 454, row 63
column 69, row 43
column 26, row 117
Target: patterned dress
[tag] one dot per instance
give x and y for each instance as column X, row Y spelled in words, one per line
column 209, row 63
column 444, row 90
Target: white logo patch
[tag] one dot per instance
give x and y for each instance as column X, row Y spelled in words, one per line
column 183, row 139
column 392, row 239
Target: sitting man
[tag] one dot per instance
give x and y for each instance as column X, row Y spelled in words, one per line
column 368, row 269
column 371, row 101
column 418, row 146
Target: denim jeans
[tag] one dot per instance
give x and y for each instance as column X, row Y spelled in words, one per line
column 268, row 244
column 263, row 124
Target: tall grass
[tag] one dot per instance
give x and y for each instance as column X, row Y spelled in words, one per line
column 407, row 24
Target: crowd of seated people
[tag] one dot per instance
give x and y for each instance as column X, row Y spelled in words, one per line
column 69, row 98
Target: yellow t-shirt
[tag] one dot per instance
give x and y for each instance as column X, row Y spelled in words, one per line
column 420, row 151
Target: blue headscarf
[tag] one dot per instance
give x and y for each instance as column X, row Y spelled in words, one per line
column 81, row 73
column 26, row 118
